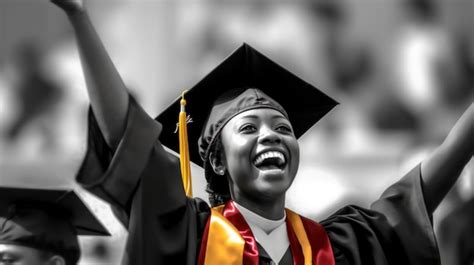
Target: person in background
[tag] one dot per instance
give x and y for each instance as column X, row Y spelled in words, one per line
column 36, row 94
column 41, row 226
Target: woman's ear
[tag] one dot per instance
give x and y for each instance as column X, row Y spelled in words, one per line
column 215, row 159
column 56, row 260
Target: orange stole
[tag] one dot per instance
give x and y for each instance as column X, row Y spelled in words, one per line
column 227, row 239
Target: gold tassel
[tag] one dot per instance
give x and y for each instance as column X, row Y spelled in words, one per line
column 184, row 150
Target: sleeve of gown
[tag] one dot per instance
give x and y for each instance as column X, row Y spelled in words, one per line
column 114, row 176
column 142, row 182
column 397, row 229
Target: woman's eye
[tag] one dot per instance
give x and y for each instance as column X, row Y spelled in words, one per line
column 283, row 128
column 248, row 128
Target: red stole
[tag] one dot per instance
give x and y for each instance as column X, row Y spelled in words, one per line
column 227, row 239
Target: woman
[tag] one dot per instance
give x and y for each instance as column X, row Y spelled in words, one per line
column 250, row 156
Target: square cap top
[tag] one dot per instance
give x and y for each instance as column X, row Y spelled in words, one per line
column 62, row 206
column 244, row 68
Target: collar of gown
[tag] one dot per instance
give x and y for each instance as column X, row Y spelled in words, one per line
column 270, row 234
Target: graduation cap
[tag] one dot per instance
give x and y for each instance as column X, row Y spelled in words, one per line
column 45, row 219
column 224, row 93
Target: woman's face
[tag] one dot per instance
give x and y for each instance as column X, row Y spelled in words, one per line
column 261, row 154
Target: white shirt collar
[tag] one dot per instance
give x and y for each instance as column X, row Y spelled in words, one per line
column 270, row 234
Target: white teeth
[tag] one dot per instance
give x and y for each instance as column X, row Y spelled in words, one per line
column 271, row 154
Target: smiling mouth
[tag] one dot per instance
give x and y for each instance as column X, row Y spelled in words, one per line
column 270, row 160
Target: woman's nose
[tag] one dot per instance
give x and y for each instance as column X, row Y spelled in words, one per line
column 267, row 135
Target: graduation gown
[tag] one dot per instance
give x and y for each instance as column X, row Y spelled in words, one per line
column 142, row 182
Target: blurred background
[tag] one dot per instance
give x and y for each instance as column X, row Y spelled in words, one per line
column 403, row 71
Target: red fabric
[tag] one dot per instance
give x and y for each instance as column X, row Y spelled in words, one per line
column 235, row 217
column 231, row 213
column 320, row 244
column 296, row 250
column 202, row 251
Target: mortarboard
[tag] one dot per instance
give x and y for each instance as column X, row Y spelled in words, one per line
column 45, row 219
column 219, row 96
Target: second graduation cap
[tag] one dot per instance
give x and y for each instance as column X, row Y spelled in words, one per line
column 46, row 219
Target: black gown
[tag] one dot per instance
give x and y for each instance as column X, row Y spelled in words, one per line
column 142, row 182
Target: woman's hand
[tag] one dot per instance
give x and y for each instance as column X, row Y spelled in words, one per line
column 70, row 6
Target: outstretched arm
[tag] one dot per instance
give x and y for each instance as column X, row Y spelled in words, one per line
column 443, row 167
column 107, row 92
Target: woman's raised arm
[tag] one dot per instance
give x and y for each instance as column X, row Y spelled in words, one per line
column 443, row 167
column 107, row 92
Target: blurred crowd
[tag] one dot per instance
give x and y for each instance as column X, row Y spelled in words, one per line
column 402, row 70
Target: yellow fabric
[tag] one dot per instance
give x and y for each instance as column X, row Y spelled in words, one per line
column 184, row 150
column 225, row 245
column 300, row 232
